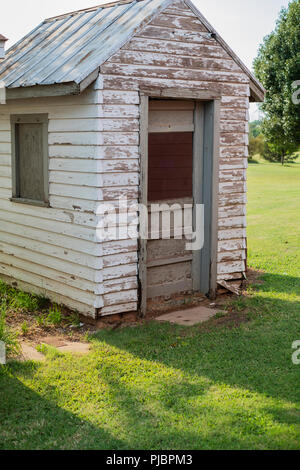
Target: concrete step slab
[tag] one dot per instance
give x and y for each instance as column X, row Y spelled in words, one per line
column 189, row 317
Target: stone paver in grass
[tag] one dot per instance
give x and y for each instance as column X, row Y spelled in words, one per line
column 66, row 346
column 189, row 317
column 29, row 353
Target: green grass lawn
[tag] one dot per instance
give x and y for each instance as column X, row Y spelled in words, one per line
column 214, row 386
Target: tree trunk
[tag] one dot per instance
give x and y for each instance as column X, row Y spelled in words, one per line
column 282, row 159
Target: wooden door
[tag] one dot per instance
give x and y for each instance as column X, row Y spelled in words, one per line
column 170, row 181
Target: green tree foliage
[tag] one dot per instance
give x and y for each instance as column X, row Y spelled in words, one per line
column 255, row 128
column 257, row 145
column 278, row 67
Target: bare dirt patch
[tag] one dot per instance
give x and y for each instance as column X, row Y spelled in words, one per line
column 253, row 277
column 34, row 332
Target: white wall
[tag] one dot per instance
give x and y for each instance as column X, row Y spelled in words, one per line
column 54, row 251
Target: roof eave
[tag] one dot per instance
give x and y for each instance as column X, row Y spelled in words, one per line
column 42, row 91
column 58, row 89
column 257, row 94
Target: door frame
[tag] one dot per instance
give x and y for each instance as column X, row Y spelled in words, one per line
column 206, row 160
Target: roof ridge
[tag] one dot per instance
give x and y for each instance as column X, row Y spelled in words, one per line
column 96, row 7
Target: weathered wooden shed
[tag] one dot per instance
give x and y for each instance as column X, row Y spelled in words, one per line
column 136, row 99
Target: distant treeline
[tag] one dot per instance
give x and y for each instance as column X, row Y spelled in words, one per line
column 258, row 145
column 277, row 136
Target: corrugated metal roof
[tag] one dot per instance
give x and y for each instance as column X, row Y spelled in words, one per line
column 70, row 47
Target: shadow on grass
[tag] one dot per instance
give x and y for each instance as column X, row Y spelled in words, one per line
column 256, row 356
column 29, row 421
column 152, row 421
column 166, row 387
column 229, row 364
column 162, row 421
column 173, row 417
column 188, row 404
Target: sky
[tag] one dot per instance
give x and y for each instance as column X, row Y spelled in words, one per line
column 242, row 23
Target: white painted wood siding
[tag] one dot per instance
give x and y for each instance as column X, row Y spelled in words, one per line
column 175, row 51
column 94, row 157
column 54, row 251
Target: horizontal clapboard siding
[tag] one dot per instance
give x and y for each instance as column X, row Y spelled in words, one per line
column 94, row 158
column 175, row 51
column 54, row 251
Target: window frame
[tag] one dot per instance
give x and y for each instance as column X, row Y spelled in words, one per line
column 16, row 119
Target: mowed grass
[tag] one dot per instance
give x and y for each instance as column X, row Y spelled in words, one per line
column 215, row 386
column 274, row 218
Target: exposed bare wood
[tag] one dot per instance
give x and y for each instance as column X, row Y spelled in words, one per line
column 96, row 139
column 230, row 287
column 203, row 95
column 144, row 123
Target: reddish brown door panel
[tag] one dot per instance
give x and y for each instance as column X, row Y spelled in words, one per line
column 171, row 138
column 170, row 170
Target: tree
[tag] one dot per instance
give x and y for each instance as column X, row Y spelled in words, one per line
column 278, row 68
column 255, row 128
column 256, row 145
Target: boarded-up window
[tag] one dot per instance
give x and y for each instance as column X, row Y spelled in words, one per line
column 170, row 160
column 30, row 158
column 170, row 165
